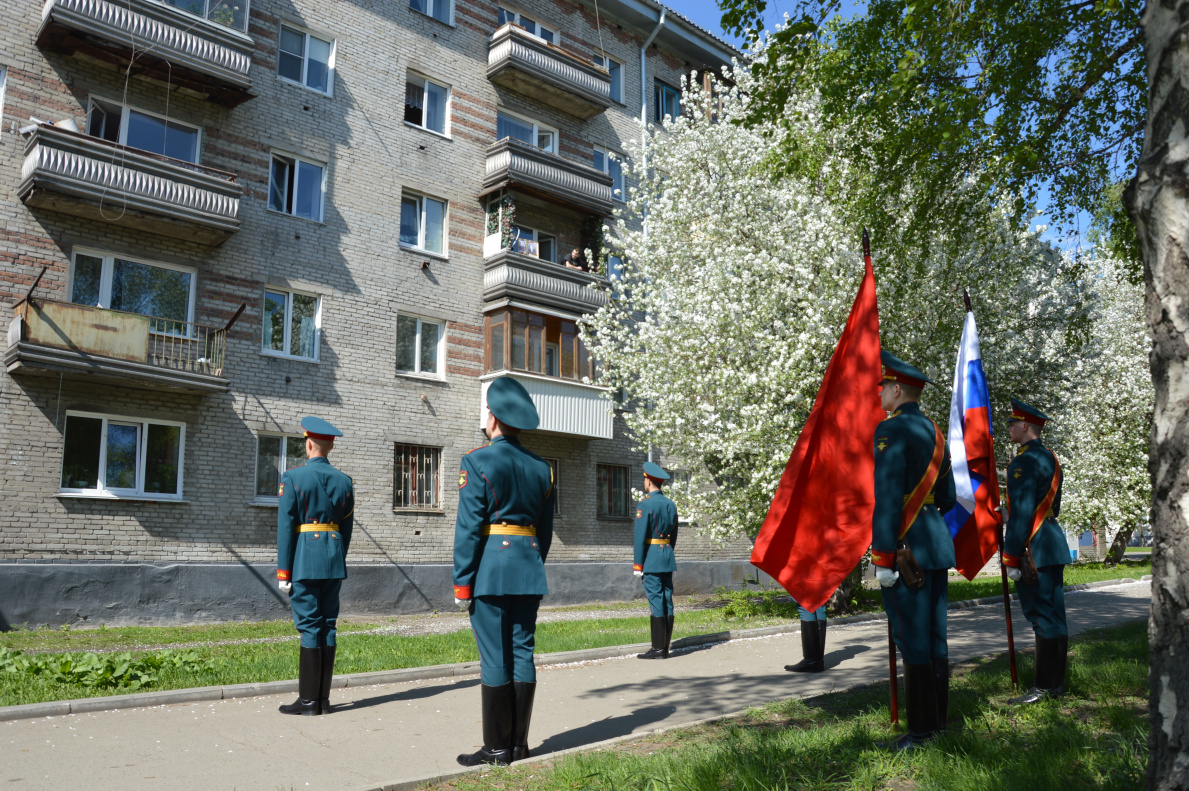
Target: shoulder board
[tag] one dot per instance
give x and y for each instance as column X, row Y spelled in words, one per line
column 472, row 450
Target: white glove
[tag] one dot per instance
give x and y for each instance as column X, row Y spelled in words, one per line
column 462, row 604
column 1014, row 574
column 286, row 587
column 637, row 573
column 887, row 577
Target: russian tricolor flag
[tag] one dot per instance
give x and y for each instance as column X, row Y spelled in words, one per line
column 974, row 522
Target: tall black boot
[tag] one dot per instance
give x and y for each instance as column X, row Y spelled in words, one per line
column 821, row 642
column 921, row 696
column 941, row 682
column 1057, row 682
column 498, row 714
column 327, row 678
column 668, row 634
column 1046, row 667
column 658, row 650
column 523, row 692
column 309, row 681
column 810, row 650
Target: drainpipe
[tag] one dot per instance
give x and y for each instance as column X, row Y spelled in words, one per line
column 660, row 23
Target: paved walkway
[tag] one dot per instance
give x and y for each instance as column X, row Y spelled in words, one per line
column 395, row 733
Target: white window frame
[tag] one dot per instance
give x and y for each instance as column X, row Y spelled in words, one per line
column 3, row 83
column 294, row 159
column 429, row 6
column 101, row 491
column 536, row 234
column 108, row 272
column 420, row 246
column 305, row 58
column 441, row 361
column 206, row 14
column 537, row 126
column 413, row 76
column 603, row 60
column 270, row 499
column 125, row 110
column 289, row 292
column 618, row 185
column 519, row 16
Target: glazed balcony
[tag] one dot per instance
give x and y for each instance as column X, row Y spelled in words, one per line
column 516, row 276
column 531, row 66
column 93, row 344
column 516, row 164
column 175, row 46
column 88, row 177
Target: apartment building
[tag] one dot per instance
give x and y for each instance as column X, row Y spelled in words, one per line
column 219, row 216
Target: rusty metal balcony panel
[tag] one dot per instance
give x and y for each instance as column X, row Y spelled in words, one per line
column 128, row 349
column 88, row 177
column 204, row 55
column 509, row 275
column 513, row 163
column 531, row 66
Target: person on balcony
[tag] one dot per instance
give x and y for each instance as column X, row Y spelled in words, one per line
column 577, row 260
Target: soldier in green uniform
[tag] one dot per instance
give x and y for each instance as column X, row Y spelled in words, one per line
column 313, row 534
column 501, row 539
column 653, row 561
column 1034, row 500
column 914, row 487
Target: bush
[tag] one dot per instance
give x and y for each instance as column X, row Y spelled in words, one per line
column 102, row 671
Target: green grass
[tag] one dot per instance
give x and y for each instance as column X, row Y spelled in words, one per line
column 1094, row 738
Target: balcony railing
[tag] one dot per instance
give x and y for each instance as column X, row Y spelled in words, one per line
column 88, row 177
column 127, row 348
column 512, row 275
column 531, row 66
column 168, row 44
column 571, row 408
column 513, row 163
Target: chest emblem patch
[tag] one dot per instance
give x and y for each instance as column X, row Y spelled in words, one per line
column 281, row 491
column 1017, row 474
column 881, row 444
column 462, row 479
column 639, row 513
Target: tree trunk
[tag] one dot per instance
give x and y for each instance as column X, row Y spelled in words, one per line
column 840, row 602
column 1119, row 545
column 1158, row 200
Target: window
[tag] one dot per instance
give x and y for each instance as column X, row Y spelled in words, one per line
column 423, row 223
column 517, row 340
column 116, row 456
column 666, row 100
column 438, row 9
column 291, row 323
column 425, row 104
column 163, row 292
column 276, row 455
column 526, row 131
column 507, row 15
column 416, row 477
column 305, row 59
column 419, row 345
column 533, row 242
column 229, row 13
column 555, row 467
column 609, row 163
column 3, row 80
column 296, row 187
column 156, row 134
column 615, row 69
column 615, row 275
column 612, row 490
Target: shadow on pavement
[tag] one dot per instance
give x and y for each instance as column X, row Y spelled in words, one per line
column 416, row 693
column 604, row 729
column 850, row 652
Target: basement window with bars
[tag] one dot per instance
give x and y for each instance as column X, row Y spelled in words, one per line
column 614, row 494
column 276, row 455
column 121, row 457
column 417, row 478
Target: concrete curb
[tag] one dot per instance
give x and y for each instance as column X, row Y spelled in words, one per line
column 196, row 694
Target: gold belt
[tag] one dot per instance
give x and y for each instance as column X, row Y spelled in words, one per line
column 506, row 529
column 319, row 528
column 929, row 499
column 662, row 541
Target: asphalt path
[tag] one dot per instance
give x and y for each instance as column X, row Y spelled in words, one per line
column 396, row 733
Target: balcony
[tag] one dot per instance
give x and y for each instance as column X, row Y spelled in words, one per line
column 565, row 407
column 516, row 276
column 169, row 44
column 93, row 344
column 513, row 163
column 77, row 174
column 531, row 66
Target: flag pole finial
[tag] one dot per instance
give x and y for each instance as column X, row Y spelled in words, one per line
column 866, row 244
column 966, row 297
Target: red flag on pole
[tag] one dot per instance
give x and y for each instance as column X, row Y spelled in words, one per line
column 819, row 523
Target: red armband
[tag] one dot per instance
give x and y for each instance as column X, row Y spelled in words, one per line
column 637, row 567
column 1011, row 561
column 283, row 575
column 883, row 559
column 463, row 591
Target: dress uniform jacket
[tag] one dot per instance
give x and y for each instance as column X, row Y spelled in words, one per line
column 314, row 494
column 656, row 517
column 1029, row 476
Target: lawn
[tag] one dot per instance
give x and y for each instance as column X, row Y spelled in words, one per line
column 1093, row 738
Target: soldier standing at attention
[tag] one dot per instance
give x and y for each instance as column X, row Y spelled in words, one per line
column 501, row 539
column 813, row 641
column 653, row 561
column 1035, row 550
column 914, row 486
column 313, row 534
